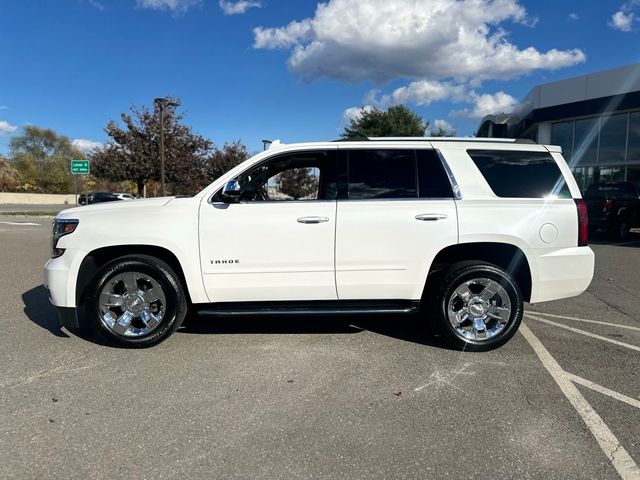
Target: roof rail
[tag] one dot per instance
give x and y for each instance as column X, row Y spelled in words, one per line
column 436, row 139
column 352, row 139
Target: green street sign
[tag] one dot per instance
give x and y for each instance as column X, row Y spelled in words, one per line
column 80, row 167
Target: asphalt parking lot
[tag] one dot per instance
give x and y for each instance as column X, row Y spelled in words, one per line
column 318, row 397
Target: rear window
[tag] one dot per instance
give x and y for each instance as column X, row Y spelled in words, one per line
column 513, row 174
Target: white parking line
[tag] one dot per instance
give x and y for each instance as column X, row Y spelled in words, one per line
column 610, row 445
column 583, row 332
column 21, row 223
column 585, row 320
column 604, row 390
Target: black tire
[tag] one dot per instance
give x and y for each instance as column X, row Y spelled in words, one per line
column 175, row 306
column 457, row 275
column 623, row 230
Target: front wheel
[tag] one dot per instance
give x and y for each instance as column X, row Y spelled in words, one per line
column 479, row 306
column 136, row 301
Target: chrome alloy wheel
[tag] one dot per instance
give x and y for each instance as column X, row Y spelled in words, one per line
column 479, row 309
column 132, row 304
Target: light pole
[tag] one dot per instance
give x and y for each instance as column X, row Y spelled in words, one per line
column 163, row 103
column 266, row 143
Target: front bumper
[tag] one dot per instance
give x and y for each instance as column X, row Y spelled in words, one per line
column 60, row 276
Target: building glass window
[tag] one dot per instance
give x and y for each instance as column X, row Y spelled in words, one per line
column 562, row 135
column 584, row 176
column 633, row 174
column 633, row 154
column 613, row 139
column 586, row 142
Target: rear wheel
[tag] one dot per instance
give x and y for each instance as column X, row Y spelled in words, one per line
column 136, row 301
column 479, row 306
column 622, row 232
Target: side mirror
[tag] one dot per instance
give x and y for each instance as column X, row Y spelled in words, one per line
column 231, row 191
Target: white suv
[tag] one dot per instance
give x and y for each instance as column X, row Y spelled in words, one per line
column 459, row 231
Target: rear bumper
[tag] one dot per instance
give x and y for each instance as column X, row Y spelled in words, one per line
column 562, row 273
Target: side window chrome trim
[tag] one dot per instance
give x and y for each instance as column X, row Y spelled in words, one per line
column 457, row 193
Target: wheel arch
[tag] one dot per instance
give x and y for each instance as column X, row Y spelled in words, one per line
column 507, row 256
column 101, row 256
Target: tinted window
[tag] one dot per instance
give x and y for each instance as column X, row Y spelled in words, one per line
column 382, row 174
column 611, row 190
column 433, row 181
column 520, row 174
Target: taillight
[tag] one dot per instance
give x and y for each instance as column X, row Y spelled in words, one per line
column 583, row 223
column 606, row 205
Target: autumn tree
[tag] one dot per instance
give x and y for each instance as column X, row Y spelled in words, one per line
column 298, row 183
column 133, row 152
column 8, row 176
column 221, row 161
column 396, row 121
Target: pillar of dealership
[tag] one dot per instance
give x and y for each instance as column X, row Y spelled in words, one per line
column 595, row 118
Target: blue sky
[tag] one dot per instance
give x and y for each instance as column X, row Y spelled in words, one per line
column 289, row 69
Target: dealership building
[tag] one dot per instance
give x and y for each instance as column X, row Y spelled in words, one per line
column 595, row 118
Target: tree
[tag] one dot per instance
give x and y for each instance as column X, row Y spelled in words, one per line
column 221, row 161
column 133, row 152
column 443, row 131
column 396, row 121
column 42, row 159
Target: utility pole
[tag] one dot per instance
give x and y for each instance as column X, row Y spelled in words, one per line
column 163, row 103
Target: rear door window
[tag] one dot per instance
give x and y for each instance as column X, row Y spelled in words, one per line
column 380, row 174
column 516, row 174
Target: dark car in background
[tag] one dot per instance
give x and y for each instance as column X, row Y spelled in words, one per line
column 100, row 197
column 613, row 207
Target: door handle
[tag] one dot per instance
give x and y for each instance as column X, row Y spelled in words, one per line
column 431, row 217
column 313, row 219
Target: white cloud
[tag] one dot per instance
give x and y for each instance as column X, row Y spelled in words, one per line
column 353, row 113
column 234, row 8
column 441, row 124
column 487, row 104
column 573, row 16
column 6, row 128
column 385, row 39
column 84, row 145
column 625, row 17
column 622, row 21
column 422, row 92
column 175, row 6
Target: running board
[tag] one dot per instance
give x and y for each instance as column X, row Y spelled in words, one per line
column 346, row 307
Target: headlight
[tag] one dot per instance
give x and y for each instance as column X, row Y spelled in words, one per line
column 61, row 227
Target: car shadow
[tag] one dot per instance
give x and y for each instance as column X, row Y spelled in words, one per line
column 405, row 328
column 39, row 310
